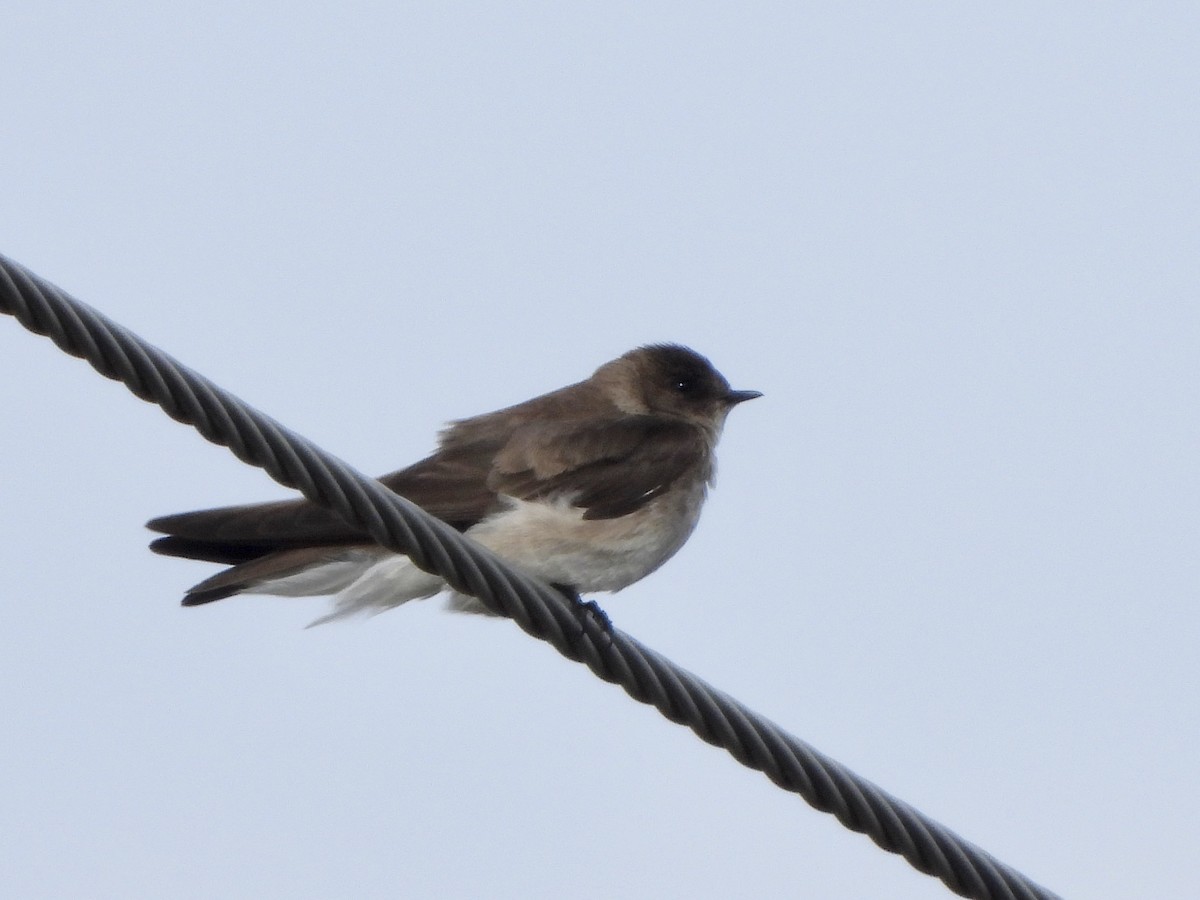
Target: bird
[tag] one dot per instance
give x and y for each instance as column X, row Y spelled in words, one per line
column 590, row 487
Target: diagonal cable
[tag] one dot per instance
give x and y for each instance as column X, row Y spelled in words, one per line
column 538, row 609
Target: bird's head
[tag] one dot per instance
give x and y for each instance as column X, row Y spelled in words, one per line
column 672, row 381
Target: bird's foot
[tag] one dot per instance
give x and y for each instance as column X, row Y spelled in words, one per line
column 586, row 609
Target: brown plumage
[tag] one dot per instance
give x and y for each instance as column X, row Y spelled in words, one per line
column 608, row 449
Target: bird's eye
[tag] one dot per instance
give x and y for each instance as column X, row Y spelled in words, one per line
column 683, row 385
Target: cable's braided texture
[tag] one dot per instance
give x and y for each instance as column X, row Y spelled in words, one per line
column 537, row 608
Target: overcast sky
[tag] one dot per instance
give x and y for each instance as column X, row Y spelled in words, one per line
column 954, row 546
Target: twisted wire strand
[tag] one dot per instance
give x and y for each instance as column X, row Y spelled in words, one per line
column 538, row 609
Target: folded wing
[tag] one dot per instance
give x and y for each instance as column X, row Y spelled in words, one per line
column 607, row 468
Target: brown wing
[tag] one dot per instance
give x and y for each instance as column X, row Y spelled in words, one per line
column 452, row 484
column 449, row 485
column 607, row 468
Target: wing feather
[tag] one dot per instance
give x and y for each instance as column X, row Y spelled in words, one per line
column 452, row 487
column 607, row 468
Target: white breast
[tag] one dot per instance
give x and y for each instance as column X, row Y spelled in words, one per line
column 555, row 542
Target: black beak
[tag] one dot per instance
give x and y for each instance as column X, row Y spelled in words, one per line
column 733, row 398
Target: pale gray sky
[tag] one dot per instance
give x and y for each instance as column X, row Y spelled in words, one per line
column 954, row 546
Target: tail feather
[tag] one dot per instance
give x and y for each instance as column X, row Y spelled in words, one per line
column 208, row 551
column 305, row 572
column 195, row 597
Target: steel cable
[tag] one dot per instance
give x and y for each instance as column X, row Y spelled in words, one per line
column 537, row 608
